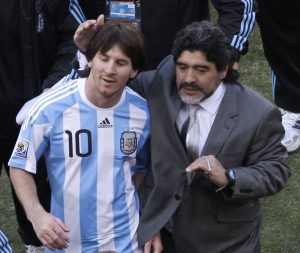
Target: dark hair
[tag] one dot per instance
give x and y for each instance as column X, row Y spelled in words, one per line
column 128, row 38
column 208, row 38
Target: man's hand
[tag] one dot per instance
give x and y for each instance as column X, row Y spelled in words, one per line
column 86, row 31
column 212, row 167
column 154, row 245
column 51, row 231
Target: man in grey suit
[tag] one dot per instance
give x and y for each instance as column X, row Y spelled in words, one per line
column 203, row 195
column 208, row 203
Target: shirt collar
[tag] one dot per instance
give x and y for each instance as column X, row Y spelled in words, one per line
column 212, row 103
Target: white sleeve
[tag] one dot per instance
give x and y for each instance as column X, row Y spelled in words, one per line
column 26, row 107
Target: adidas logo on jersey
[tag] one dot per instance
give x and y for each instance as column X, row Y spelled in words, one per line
column 105, row 124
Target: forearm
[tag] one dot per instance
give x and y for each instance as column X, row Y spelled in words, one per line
column 237, row 19
column 26, row 191
column 50, row 230
column 266, row 171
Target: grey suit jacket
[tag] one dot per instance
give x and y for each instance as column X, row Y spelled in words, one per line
column 246, row 135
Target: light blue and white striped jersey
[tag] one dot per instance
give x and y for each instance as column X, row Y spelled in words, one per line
column 91, row 155
column 5, row 246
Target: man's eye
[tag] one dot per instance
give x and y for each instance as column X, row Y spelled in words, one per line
column 201, row 70
column 121, row 63
column 182, row 67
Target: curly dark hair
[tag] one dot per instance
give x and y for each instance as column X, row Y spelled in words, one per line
column 208, row 38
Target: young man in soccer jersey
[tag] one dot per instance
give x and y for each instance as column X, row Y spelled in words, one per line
column 94, row 134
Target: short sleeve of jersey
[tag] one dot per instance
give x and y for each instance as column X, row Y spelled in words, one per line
column 31, row 143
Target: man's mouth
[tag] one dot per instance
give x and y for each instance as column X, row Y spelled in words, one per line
column 108, row 80
column 190, row 86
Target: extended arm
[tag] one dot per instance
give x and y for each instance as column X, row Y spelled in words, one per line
column 266, row 171
column 237, row 19
column 49, row 229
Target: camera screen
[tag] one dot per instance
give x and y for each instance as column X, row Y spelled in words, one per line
column 122, row 9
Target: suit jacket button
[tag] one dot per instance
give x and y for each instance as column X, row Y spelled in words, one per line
column 177, row 196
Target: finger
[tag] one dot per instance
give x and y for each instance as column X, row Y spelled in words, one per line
column 62, row 225
column 62, row 231
column 100, row 20
column 147, row 247
column 157, row 249
column 56, row 242
column 195, row 166
column 43, row 240
column 88, row 24
column 49, row 242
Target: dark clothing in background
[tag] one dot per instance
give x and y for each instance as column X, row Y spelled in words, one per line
column 35, row 52
column 279, row 27
column 92, row 8
column 161, row 19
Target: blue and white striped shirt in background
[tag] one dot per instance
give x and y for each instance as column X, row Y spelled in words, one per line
column 5, row 246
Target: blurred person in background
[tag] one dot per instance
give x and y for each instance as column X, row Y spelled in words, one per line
column 161, row 19
column 36, row 50
column 5, row 245
column 279, row 28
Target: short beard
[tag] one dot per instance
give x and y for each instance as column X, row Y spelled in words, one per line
column 189, row 99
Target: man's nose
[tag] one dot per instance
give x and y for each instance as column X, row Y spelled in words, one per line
column 110, row 67
column 190, row 76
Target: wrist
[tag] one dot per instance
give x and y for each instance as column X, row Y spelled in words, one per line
column 35, row 213
column 230, row 175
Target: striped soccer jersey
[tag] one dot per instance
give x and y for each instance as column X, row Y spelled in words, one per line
column 5, row 246
column 91, row 155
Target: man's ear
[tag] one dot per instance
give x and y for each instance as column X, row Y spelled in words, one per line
column 133, row 73
column 223, row 72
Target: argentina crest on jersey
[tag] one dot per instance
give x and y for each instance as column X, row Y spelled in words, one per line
column 128, row 142
column 21, row 148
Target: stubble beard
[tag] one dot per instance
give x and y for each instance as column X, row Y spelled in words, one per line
column 191, row 100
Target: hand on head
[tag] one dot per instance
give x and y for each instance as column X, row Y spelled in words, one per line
column 85, row 32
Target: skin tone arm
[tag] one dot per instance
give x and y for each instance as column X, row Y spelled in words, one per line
column 50, row 230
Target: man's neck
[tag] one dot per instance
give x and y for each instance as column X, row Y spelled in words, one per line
column 101, row 100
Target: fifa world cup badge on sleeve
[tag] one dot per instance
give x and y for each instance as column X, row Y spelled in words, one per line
column 21, row 148
column 128, row 143
column 124, row 11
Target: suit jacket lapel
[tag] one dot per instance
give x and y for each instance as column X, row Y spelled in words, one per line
column 224, row 122
column 174, row 106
